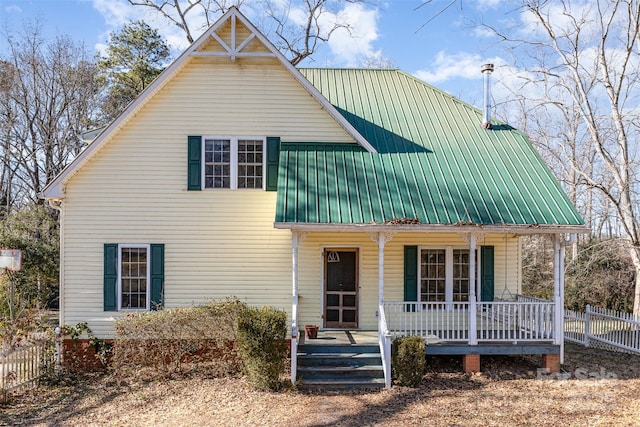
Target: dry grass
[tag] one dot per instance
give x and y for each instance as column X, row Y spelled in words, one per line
column 604, row 389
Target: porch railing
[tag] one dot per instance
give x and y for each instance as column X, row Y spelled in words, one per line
column 435, row 321
column 515, row 321
column 496, row 321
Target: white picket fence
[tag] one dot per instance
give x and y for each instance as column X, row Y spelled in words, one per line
column 602, row 328
column 22, row 366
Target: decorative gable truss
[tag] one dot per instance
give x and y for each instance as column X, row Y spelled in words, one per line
column 233, row 39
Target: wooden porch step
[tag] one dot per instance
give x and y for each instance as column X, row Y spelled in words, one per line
column 341, row 366
column 350, row 384
column 328, row 372
column 338, row 348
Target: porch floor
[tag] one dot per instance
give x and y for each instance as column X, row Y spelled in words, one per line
column 341, row 337
column 347, row 337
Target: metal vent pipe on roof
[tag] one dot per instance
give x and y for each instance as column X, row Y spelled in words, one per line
column 487, row 69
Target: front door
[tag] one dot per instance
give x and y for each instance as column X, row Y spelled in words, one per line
column 341, row 288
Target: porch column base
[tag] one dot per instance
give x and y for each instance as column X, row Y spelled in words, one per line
column 471, row 363
column 551, row 362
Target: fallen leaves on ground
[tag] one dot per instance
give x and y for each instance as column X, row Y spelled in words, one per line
column 597, row 387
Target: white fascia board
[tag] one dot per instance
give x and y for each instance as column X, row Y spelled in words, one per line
column 443, row 228
column 55, row 189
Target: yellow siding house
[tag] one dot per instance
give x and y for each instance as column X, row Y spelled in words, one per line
column 353, row 199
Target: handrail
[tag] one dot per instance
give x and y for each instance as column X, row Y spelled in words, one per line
column 384, row 340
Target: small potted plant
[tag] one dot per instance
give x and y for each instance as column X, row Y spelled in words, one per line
column 311, row 331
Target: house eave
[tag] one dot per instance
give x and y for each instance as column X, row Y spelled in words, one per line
column 520, row 229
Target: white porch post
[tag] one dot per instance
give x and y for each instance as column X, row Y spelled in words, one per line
column 384, row 338
column 381, row 243
column 558, row 292
column 556, row 285
column 296, row 238
column 560, row 304
column 381, row 238
column 473, row 330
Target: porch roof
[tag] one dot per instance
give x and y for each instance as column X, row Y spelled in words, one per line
column 332, row 185
column 434, row 166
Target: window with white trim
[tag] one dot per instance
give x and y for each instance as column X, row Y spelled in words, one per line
column 444, row 274
column 133, row 277
column 234, row 162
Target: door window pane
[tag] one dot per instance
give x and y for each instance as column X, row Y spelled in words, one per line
column 348, row 316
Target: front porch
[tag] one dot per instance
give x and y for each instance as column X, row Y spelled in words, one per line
column 353, row 358
column 470, row 326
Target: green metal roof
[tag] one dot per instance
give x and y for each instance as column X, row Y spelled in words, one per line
column 434, row 163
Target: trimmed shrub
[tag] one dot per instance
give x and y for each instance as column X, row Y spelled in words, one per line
column 261, row 342
column 408, row 360
column 180, row 340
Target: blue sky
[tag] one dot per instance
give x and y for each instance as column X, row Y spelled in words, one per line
column 447, row 52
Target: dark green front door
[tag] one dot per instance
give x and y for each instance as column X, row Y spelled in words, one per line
column 341, row 288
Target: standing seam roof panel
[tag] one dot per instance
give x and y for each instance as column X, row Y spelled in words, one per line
column 466, row 172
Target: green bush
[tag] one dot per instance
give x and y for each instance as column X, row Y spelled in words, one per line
column 408, row 360
column 261, row 341
column 180, row 340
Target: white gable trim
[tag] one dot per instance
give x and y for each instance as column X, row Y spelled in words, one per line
column 55, row 189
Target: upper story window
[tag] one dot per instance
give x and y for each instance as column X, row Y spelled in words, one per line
column 234, row 162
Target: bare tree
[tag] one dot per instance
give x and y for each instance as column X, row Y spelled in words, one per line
column 297, row 39
column 586, row 57
column 7, row 119
column 177, row 12
column 46, row 101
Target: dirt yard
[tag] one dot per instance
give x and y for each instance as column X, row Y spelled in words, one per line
column 598, row 388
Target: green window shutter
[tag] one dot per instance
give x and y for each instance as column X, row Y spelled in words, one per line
column 487, row 280
column 273, row 156
column 157, row 276
column 110, row 277
column 194, row 166
column 411, row 273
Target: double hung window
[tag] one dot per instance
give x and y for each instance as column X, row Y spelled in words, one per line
column 444, row 274
column 133, row 277
column 234, row 163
